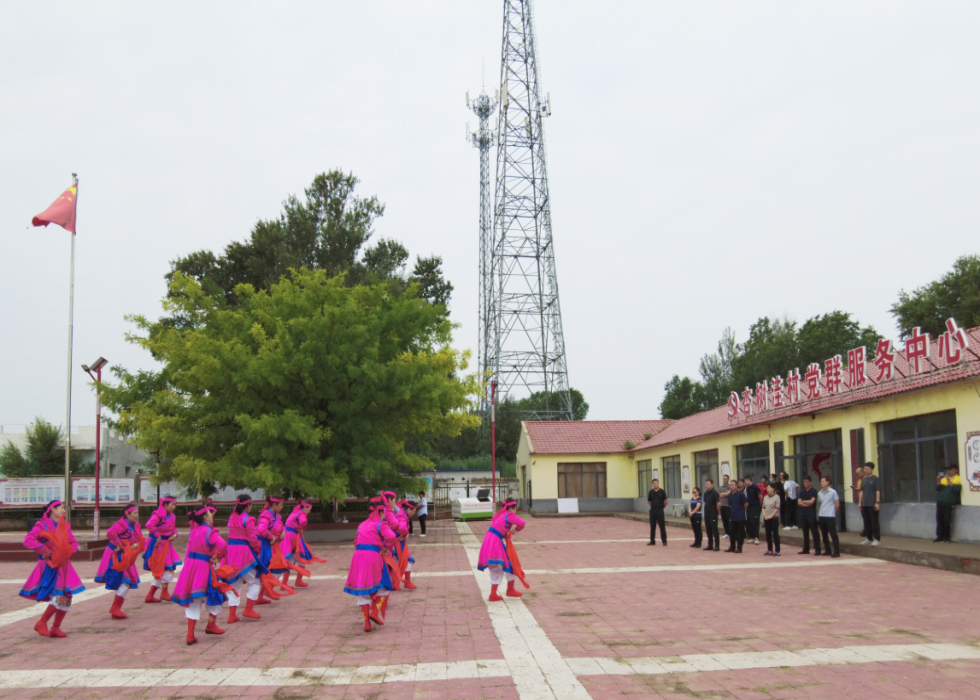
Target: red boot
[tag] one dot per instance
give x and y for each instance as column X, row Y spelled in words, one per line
column 408, row 581
column 41, row 626
column 285, row 578
column 250, row 612
column 511, row 591
column 232, row 614
column 300, row 583
column 212, row 627
column 384, row 606
column 374, row 610
column 56, row 627
column 164, row 593
column 150, row 596
column 116, row 609
column 493, row 593
column 262, row 599
column 191, row 639
column 367, row 617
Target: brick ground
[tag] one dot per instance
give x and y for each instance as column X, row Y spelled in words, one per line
column 658, row 614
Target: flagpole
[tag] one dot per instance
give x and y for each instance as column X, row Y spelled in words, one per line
column 71, row 313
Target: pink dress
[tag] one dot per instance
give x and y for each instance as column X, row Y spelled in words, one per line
column 161, row 525
column 494, row 549
column 122, row 535
column 403, row 525
column 243, row 545
column 42, row 585
column 203, row 543
column 367, row 569
column 295, row 526
column 269, row 528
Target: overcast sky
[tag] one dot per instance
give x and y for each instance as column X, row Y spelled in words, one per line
column 710, row 162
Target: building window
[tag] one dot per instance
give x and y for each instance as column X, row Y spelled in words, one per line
column 753, row 460
column 705, row 467
column 672, row 476
column 911, row 452
column 644, row 474
column 581, row 480
column 818, row 455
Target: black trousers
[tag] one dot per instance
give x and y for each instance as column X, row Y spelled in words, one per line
column 828, row 528
column 788, row 512
column 711, row 527
column 411, row 531
column 872, row 530
column 696, row 526
column 772, row 534
column 752, row 526
column 737, row 535
column 944, row 522
column 422, row 523
column 657, row 518
column 808, row 521
column 726, row 519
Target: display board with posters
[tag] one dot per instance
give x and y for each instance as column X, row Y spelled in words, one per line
column 21, row 493
column 148, row 493
column 971, row 450
column 111, row 491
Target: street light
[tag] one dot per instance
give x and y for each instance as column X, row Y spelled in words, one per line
column 97, row 368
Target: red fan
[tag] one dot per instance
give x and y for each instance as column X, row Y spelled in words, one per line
column 301, row 546
column 278, row 562
column 128, row 556
column 396, row 572
column 514, row 561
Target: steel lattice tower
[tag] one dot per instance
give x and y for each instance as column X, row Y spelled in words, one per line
column 525, row 343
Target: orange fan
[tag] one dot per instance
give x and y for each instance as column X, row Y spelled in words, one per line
column 403, row 558
column 514, row 561
column 269, row 585
column 278, row 562
column 225, row 571
column 158, row 560
column 59, row 544
column 127, row 558
column 301, row 546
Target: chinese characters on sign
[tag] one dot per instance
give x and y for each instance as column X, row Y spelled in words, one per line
column 796, row 388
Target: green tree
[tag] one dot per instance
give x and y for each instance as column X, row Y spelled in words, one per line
column 312, row 386
column 835, row 333
column 682, row 397
column 43, row 455
column 717, row 371
column 955, row 295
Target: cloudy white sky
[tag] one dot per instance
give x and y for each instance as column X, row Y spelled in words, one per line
column 710, row 162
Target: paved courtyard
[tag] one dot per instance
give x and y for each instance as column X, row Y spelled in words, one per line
column 606, row 617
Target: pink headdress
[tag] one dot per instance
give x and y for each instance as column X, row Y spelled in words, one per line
column 130, row 509
column 52, row 506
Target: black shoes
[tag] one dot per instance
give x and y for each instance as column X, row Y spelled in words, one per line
column 835, row 555
column 805, row 551
column 651, row 544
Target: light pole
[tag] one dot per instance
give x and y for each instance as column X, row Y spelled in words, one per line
column 97, row 368
column 493, row 442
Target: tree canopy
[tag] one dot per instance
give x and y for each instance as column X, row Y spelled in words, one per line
column 313, row 386
column 774, row 347
column 954, row 295
column 43, row 454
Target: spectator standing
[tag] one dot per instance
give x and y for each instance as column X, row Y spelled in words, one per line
column 712, row 509
column 807, row 499
column 754, row 496
column 725, row 510
column 829, row 504
column 870, row 505
column 739, row 503
column 948, row 490
column 423, row 512
column 657, row 498
column 790, row 503
column 696, row 507
column 770, row 512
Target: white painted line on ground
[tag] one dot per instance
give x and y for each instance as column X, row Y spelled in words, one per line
column 491, row 668
column 537, row 667
column 706, row 567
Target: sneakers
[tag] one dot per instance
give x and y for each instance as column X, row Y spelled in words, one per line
column 795, row 527
column 787, row 528
column 767, row 554
column 865, row 541
column 775, row 554
column 422, row 535
column 875, row 543
column 755, row 541
column 724, row 537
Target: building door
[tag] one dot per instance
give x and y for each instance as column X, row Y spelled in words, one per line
column 820, row 455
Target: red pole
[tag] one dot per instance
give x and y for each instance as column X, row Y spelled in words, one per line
column 493, row 442
column 98, row 446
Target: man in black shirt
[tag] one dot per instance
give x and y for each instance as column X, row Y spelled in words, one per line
column 657, row 498
column 807, row 504
column 753, row 493
column 711, row 509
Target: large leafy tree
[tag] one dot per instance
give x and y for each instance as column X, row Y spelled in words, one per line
column 955, row 295
column 311, row 386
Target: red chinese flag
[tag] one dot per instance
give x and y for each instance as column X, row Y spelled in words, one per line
column 62, row 212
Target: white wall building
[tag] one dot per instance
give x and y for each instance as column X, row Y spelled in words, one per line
column 119, row 458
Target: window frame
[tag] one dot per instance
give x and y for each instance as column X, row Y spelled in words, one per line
column 600, row 474
column 886, row 465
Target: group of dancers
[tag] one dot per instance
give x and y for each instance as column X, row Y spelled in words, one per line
column 213, row 572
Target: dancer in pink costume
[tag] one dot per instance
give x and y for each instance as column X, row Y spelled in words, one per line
column 368, row 579
column 46, row 583
column 243, row 551
column 125, row 534
column 162, row 526
column 404, row 514
column 269, row 532
column 295, row 526
column 493, row 553
column 194, row 588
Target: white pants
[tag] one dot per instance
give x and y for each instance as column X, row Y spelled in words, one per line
column 122, row 590
column 366, row 599
column 59, row 606
column 168, row 577
column 409, row 567
column 254, row 587
column 497, row 574
column 193, row 610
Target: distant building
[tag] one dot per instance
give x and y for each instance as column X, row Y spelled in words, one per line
column 119, row 458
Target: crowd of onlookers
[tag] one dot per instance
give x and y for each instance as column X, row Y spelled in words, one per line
column 745, row 510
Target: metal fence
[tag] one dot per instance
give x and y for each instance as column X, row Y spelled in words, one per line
column 445, row 492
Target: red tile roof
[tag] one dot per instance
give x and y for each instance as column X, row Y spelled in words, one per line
column 589, row 436
column 716, row 420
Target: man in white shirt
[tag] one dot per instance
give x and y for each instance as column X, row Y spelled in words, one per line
column 422, row 511
column 788, row 513
column 828, row 503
